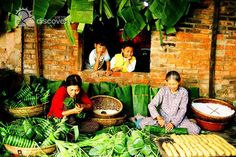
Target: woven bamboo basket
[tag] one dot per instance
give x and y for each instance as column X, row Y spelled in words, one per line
column 28, row 111
column 104, row 104
column 30, row 151
column 208, row 117
column 110, row 121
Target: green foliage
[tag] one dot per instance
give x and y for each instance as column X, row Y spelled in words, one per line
column 133, row 142
column 132, row 15
column 70, row 102
column 33, row 132
column 157, row 130
column 28, row 95
column 81, row 11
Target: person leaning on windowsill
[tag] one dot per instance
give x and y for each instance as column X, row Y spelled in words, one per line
column 98, row 56
column 124, row 61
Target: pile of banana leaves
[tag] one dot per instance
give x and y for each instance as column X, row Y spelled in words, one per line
column 119, row 141
column 28, row 95
column 33, row 132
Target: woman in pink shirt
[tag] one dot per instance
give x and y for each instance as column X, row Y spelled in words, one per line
column 169, row 106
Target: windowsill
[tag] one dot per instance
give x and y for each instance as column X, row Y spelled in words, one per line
column 103, row 73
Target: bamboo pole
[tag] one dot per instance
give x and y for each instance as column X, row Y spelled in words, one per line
column 213, row 48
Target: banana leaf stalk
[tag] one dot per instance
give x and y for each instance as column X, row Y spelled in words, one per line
column 69, row 31
column 68, row 149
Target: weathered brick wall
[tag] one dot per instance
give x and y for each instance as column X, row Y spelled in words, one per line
column 10, row 50
column 188, row 51
column 226, row 52
column 59, row 58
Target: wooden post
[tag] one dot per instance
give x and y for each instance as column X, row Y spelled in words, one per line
column 22, row 50
column 213, row 48
column 38, row 54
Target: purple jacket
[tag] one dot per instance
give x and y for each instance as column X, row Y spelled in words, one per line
column 172, row 107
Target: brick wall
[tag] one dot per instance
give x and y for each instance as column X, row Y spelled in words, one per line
column 187, row 51
column 59, row 57
column 10, row 50
column 226, row 52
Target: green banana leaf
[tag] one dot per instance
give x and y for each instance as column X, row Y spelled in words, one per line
column 158, row 25
column 100, row 9
column 170, row 30
column 40, row 8
column 174, row 10
column 103, row 88
column 134, row 21
column 95, row 89
column 148, row 18
column 53, row 86
column 107, row 9
column 85, row 86
column 121, row 5
column 133, row 29
column 153, row 92
column 169, row 11
column 80, row 27
column 108, row 88
column 193, row 93
column 69, row 31
column 54, row 7
column 124, row 93
column 156, row 7
column 128, row 14
column 140, row 94
column 82, row 11
column 13, row 22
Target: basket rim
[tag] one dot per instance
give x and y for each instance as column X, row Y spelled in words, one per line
column 220, row 102
column 107, row 96
column 110, row 121
column 51, row 146
column 12, row 148
column 26, row 107
column 111, row 118
column 27, row 111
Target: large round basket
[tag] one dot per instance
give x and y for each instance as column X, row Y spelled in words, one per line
column 28, row 111
column 210, row 102
column 110, row 121
column 106, row 106
column 30, row 151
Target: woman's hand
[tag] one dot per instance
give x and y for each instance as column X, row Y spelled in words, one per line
column 78, row 109
column 169, row 126
column 160, row 121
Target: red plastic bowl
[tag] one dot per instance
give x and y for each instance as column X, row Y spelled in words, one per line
column 211, row 126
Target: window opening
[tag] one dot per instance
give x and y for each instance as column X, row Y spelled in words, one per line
column 112, row 35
